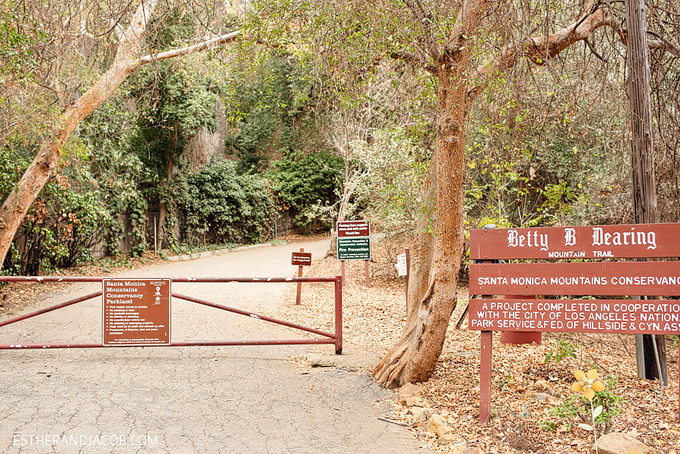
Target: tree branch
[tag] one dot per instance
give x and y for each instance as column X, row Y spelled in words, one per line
column 214, row 42
column 539, row 49
column 414, row 60
column 426, row 22
column 466, row 25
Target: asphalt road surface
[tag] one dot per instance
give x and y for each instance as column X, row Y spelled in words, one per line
column 253, row 399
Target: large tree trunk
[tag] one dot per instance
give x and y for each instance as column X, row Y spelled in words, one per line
column 437, row 256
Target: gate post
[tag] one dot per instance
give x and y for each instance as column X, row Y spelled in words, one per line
column 338, row 315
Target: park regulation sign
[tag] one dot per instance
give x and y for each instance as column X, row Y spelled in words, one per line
column 136, row 311
column 354, row 240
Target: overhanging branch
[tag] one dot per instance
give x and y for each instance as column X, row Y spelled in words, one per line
column 540, row 49
column 214, row 42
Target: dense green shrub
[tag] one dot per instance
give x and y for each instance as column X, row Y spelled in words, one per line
column 60, row 227
column 309, row 184
column 224, row 207
column 116, row 172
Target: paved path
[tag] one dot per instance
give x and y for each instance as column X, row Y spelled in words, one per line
column 187, row 400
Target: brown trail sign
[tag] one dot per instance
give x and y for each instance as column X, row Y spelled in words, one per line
column 564, row 278
column 590, row 278
column 607, row 241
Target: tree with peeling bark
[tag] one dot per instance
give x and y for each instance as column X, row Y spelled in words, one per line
column 126, row 61
column 464, row 47
column 438, row 255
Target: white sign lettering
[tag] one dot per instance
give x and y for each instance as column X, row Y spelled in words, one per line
column 624, row 238
column 530, row 239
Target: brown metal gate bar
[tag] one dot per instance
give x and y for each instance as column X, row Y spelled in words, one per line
column 329, row 338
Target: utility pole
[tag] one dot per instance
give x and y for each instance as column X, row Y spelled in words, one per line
column 651, row 351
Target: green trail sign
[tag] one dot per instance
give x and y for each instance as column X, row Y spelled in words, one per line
column 354, row 248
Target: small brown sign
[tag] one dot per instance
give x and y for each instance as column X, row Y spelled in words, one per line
column 352, row 229
column 589, row 242
column 576, row 316
column 136, row 311
column 302, row 259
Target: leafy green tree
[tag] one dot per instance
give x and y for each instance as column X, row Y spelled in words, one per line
column 307, row 184
column 73, row 61
column 464, row 47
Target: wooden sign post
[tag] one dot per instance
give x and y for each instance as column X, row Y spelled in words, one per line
column 564, row 278
column 300, row 259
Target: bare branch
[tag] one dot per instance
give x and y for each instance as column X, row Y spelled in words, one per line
column 214, row 42
column 538, row 49
column 592, row 49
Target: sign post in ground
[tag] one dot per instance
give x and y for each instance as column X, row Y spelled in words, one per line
column 300, row 259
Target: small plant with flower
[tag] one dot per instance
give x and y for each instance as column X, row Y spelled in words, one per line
column 592, row 405
column 588, row 384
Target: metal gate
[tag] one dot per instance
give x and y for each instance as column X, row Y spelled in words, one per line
column 120, row 302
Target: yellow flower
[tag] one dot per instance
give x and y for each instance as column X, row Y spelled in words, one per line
column 587, row 383
column 588, row 393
